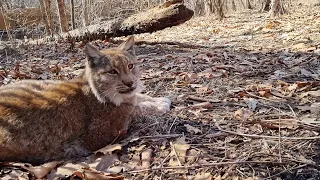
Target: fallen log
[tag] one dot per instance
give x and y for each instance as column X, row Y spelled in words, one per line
column 169, row 14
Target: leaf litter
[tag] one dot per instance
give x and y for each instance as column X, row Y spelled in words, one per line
column 245, row 96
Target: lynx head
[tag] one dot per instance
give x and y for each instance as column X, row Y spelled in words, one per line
column 113, row 74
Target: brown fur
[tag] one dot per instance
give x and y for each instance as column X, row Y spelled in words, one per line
column 50, row 120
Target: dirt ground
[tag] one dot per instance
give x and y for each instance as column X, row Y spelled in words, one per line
column 245, row 100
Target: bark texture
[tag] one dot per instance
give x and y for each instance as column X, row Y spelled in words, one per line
column 62, row 16
column 169, row 14
column 276, row 8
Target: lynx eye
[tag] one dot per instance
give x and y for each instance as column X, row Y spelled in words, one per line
column 130, row 66
column 113, row 71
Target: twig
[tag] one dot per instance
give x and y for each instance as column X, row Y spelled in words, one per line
column 215, row 102
column 279, row 132
column 203, row 99
column 294, row 114
column 305, row 62
column 205, row 165
column 294, row 120
column 262, row 97
column 227, row 172
column 172, row 124
column 161, row 164
column 175, row 153
column 286, row 170
column 160, row 136
column 288, row 159
column 270, row 137
column 159, row 78
column 145, row 128
column 271, row 115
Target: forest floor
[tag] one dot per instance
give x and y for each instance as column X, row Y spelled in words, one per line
column 245, row 97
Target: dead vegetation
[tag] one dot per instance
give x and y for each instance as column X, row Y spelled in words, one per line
column 245, row 95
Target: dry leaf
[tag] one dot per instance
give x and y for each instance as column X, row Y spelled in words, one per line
column 252, row 104
column 66, row 170
column 314, row 93
column 310, row 120
column 306, row 72
column 192, row 129
column 203, row 176
column 272, row 24
column 203, row 90
column 280, row 123
column 243, row 114
column 106, row 161
column 316, row 107
column 109, row 148
column 292, row 87
column 15, row 174
column 218, row 177
column 311, row 93
column 299, row 46
column 251, row 178
column 179, row 148
column 115, row 170
column 189, row 77
column 264, row 93
column 235, row 178
column 88, row 174
column 42, row 170
column 192, row 156
column 305, row 160
column 301, row 85
column 312, row 109
column 139, row 148
column 146, row 158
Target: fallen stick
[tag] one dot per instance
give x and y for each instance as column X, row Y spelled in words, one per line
column 170, row 13
column 270, row 137
column 215, row 102
column 206, row 165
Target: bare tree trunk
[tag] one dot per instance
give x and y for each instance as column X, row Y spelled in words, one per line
column 242, row 3
column 85, row 16
column 219, row 8
column 276, row 8
column 72, row 15
column 233, row 5
column 6, row 23
column 265, row 6
column 47, row 16
column 22, row 4
column 208, row 7
column 62, row 16
column 248, row 4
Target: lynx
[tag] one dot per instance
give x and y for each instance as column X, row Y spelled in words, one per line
column 52, row 120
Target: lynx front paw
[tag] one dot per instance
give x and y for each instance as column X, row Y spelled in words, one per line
column 163, row 104
column 155, row 106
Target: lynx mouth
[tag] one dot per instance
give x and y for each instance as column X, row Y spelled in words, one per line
column 129, row 90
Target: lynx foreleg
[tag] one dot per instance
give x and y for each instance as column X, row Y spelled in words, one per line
column 147, row 105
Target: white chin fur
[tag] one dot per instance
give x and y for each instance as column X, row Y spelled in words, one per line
column 118, row 98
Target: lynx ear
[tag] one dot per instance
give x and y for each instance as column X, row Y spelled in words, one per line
column 128, row 45
column 93, row 54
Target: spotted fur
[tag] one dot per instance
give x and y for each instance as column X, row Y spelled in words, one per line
column 52, row 120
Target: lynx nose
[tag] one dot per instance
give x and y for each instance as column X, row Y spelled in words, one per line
column 128, row 83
